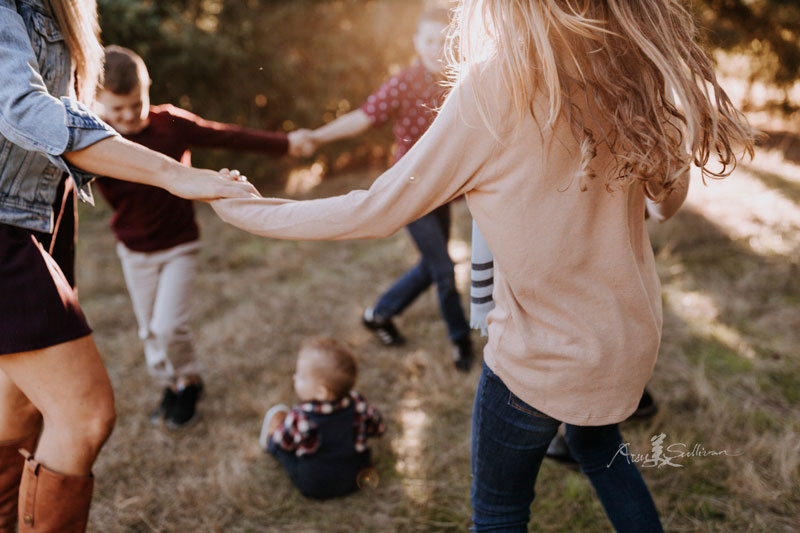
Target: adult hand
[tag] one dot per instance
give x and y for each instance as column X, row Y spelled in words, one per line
column 301, row 143
column 208, row 185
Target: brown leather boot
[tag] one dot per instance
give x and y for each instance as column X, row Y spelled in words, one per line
column 51, row 502
column 11, row 464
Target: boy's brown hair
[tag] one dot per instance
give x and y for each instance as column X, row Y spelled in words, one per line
column 335, row 365
column 125, row 71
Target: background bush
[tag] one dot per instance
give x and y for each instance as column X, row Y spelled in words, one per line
column 281, row 64
column 274, row 64
column 766, row 30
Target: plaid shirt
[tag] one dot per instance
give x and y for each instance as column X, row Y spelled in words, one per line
column 300, row 434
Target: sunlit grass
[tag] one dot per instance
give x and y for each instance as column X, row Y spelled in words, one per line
column 727, row 378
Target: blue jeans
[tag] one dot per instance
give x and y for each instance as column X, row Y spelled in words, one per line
column 430, row 234
column 509, row 440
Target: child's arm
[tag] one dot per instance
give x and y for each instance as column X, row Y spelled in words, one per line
column 375, row 425
column 70, row 136
column 378, row 109
column 349, row 125
column 204, row 133
column 447, row 161
column 297, row 434
column 368, row 419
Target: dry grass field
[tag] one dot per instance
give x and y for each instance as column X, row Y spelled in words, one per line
column 728, row 378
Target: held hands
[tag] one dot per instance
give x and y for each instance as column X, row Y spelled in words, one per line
column 208, row 185
column 240, row 180
column 302, row 143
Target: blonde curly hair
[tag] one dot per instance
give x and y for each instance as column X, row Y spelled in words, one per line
column 634, row 63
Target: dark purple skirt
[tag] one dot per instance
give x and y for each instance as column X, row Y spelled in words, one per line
column 38, row 302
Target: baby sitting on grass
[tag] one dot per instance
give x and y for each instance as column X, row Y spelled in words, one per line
column 322, row 441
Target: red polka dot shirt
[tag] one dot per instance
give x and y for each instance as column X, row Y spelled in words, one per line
column 411, row 97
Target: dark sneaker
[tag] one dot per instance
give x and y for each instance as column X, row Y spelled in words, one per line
column 383, row 328
column 463, row 354
column 647, row 406
column 182, row 411
column 167, row 401
column 558, row 450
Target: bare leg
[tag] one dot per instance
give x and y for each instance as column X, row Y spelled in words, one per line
column 19, row 428
column 68, row 384
column 18, row 416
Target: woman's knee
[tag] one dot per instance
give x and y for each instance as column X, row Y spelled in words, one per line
column 68, row 384
column 99, row 422
column 102, row 423
column 87, row 424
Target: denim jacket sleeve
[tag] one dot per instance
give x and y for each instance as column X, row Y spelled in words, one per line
column 30, row 116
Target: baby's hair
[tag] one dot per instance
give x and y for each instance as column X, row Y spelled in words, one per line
column 125, row 70
column 439, row 14
column 335, row 365
column 633, row 66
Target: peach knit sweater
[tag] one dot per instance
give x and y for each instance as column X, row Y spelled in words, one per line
column 577, row 322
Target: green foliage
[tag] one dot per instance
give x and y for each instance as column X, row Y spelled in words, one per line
column 274, row 64
column 281, row 64
column 767, row 30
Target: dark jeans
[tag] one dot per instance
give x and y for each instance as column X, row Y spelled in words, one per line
column 430, row 234
column 333, row 469
column 509, row 440
column 322, row 476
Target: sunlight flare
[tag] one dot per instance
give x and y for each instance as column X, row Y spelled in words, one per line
column 408, row 447
column 303, row 180
column 460, row 252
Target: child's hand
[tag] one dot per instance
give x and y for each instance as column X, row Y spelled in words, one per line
column 301, row 143
column 276, row 421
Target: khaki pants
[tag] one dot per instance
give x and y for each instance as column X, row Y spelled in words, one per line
column 160, row 285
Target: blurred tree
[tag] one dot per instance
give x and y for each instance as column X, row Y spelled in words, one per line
column 768, row 31
column 275, row 64
column 281, row 64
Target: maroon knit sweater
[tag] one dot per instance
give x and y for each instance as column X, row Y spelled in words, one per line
column 149, row 219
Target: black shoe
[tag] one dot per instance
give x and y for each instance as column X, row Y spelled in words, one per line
column 463, row 354
column 167, row 401
column 382, row 327
column 647, row 406
column 559, row 451
column 182, row 411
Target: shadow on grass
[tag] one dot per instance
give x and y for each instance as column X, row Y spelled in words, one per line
column 743, row 285
column 787, row 142
column 788, row 188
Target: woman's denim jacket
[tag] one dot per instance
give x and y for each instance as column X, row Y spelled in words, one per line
column 38, row 122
